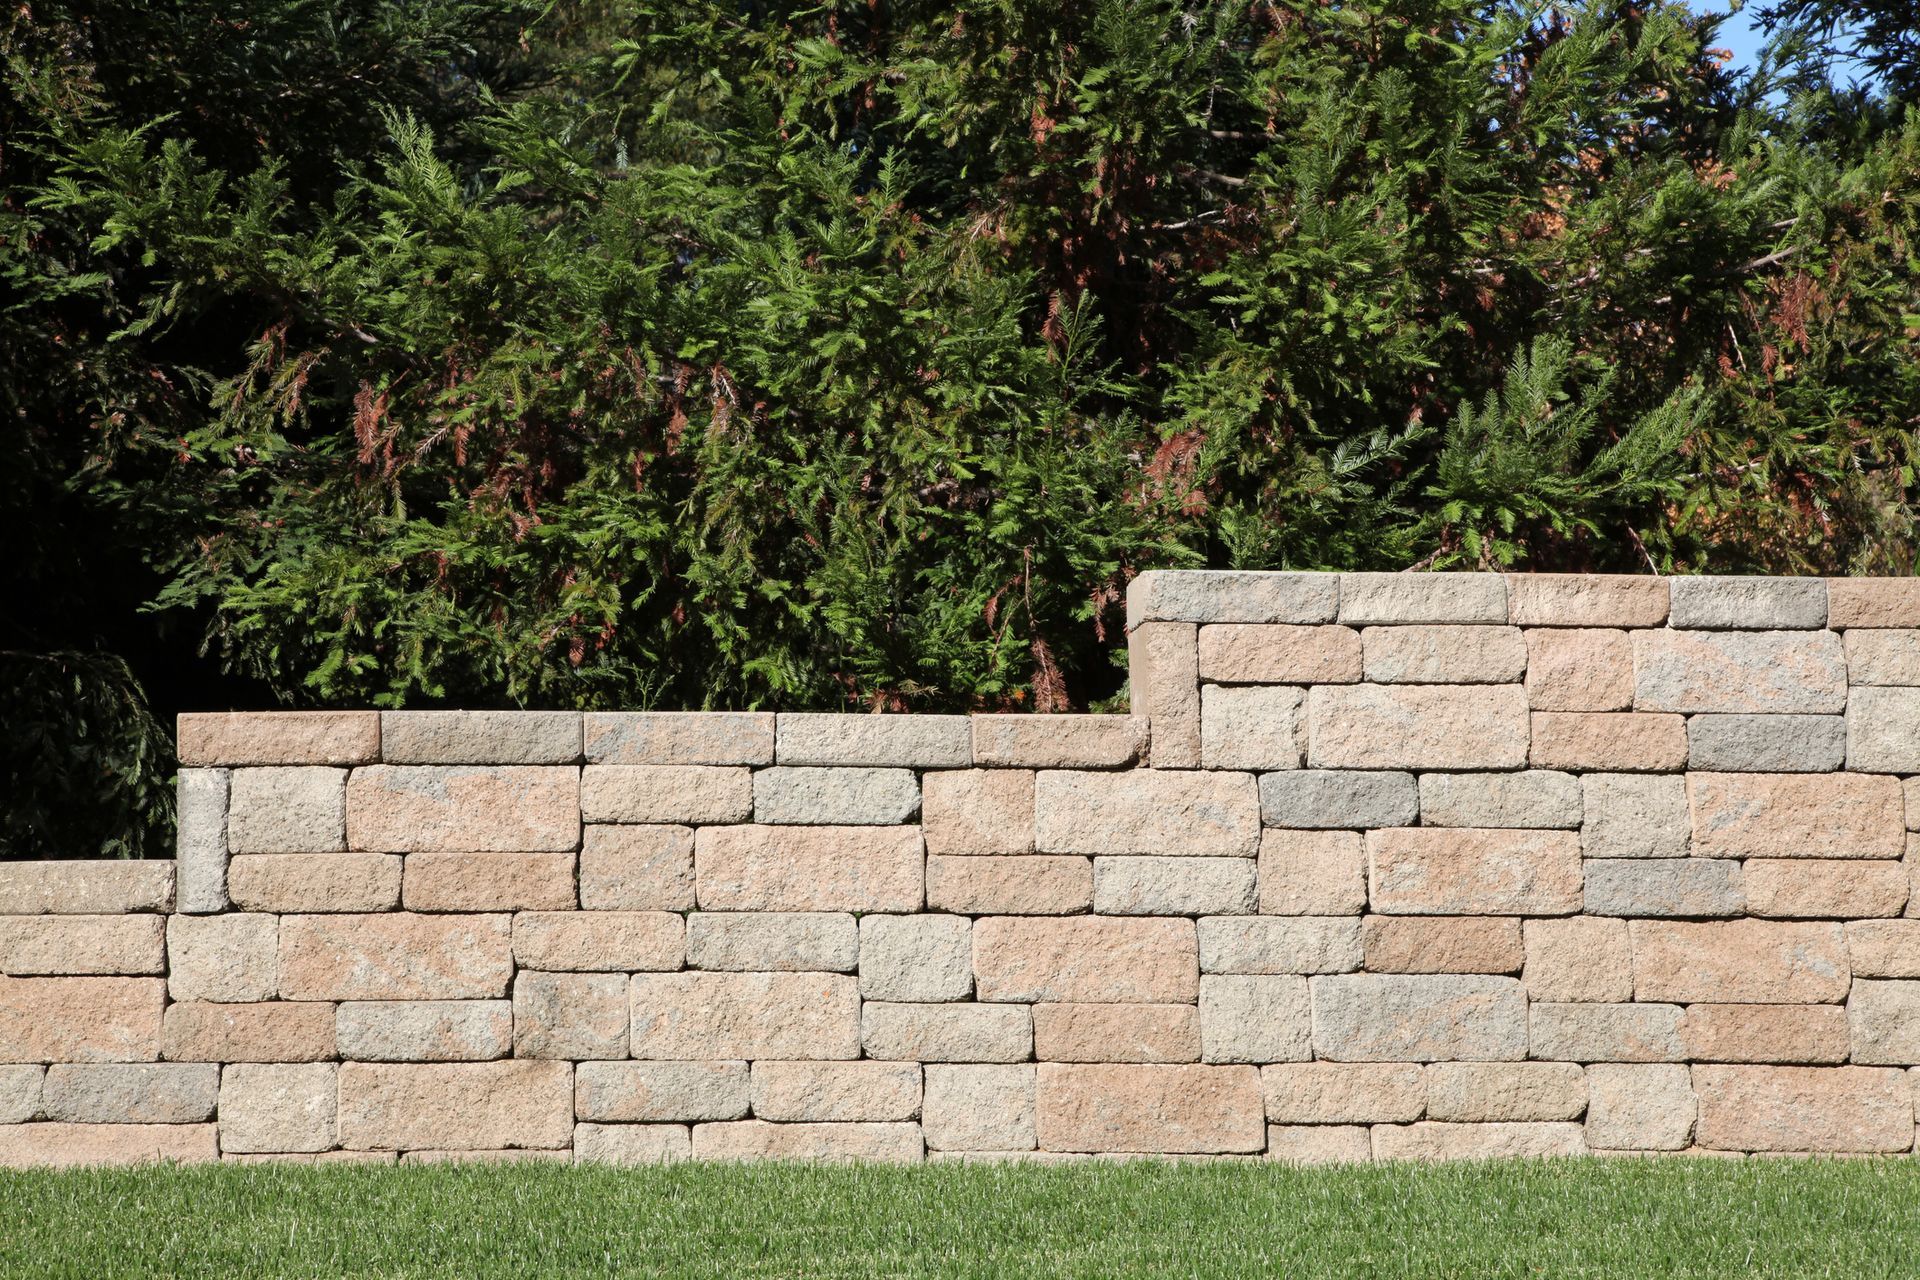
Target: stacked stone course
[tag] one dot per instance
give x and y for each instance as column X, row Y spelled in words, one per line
column 1386, row 866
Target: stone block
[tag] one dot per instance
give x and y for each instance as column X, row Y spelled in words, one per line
column 1882, row 657
column 705, row 1016
column 1633, row 815
column 808, row 794
column 895, row 1143
column 1328, row 799
column 1883, row 730
column 1279, row 944
column 1024, row 884
column 489, row 882
column 1319, row 1144
column 1579, row 670
column 758, row 868
column 425, row 1030
column 1493, row 1091
column 1116, row 1033
column 265, row 1031
column 1541, row 798
column 34, row 946
column 679, row 737
column 227, row 957
column 837, row 1091
column 1160, row 1109
column 1422, row 597
column 1790, row 1033
column 485, row 1156
column 464, row 808
column 1789, row 815
column 276, row 882
column 480, row 737
column 946, row 1032
column 1466, row 871
column 1255, row 1019
column 1663, row 887
column 1163, row 680
column 1579, row 960
column 1188, row 814
column 1173, row 886
column 1766, row 744
column 1240, row 596
column 67, row 1146
column 910, row 742
column 658, row 793
column 1884, row 948
column 1804, row 1109
column 1639, row 1108
column 1606, row 1032
column 978, row 811
column 20, row 1093
column 1883, row 1018
column 649, row 1092
column 631, row 1145
column 279, row 737
column 1873, row 602
column 1608, row 741
column 1758, row 672
column 1587, row 600
column 459, row 1106
column 1442, row 944
column 643, row 868
column 394, row 956
column 1739, row 962
column 773, row 941
column 1344, row 1092
column 278, row 1106
column 1444, row 654
column 569, row 1015
column 606, row 941
column 1251, row 727
column 1809, row 888
column 980, row 1108
column 1367, row 1017
column 1238, row 653
column 1748, row 603
column 1085, row 959
column 85, row 886
column 1432, row 1140
column 1312, row 873
column 287, row 810
column 1371, row 726
column 916, row 959
column 131, row 1092
column 1058, row 741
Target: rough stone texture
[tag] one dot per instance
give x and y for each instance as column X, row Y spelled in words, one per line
column 1635, row 815
column 617, row 941
column 1435, row 1140
column 228, row 957
column 1820, row 889
column 1639, row 1108
column 773, row 941
column 1026, row 884
column 978, row 811
column 1586, row 600
column 391, row 956
column 1809, row 1033
column 806, row 794
column 1663, row 887
column 1163, row 675
column 1159, row 1109
column 980, row 1108
column 1766, row 744
column 1058, row 741
column 1312, row 1144
column 1842, row 1109
column 631, row 1144
column 1506, row 1091
column 666, row 793
column 488, row 882
column 1085, row 959
column 1883, row 657
column 916, row 959
column 1873, row 602
column 1155, row 813
column 914, row 742
column 1442, row 944
column 480, row 737
column 130, row 1092
column 569, row 1015
column 836, row 1091
column 85, row 886
column 50, row 946
column 1883, row 730
column 679, row 737
column 1739, row 961
column 644, row 868
column 1422, row 597
column 946, row 1032
column 271, row 1031
column 1344, row 1092
column 1606, row 1032
column 897, row 1143
column 1255, row 1019
column 703, row 1016
column 1187, row 595
column 65, row 1146
column 1327, row 799
column 1578, row 960
column 1418, row 1018
column 1884, row 1020
column 1279, row 944
column 318, row 881
column 464, row 1106
column 279, row 737
column 1787, row 815
column 1251, row 727
column 1116, row 1033
column 1748, row 604
column 1367, row 726
column 1173, row 886
column 649, row 1092
column 1884, row 948
column 1312, row 873
column 1608, row 741
column 287, row 810
column 1243, row 654
column 759, row 868
column 20, row 1093
column 1580, row 670
column 278, row 1106
column 463, row 808
column 426, row 1030
column 1471, row 871
column 1536, row 798
column 1444, row 655
column 1739, row 671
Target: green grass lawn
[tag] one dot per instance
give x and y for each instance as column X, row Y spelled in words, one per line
column 1584, row 1218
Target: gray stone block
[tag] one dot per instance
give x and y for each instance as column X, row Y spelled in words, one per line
column 1766, row 744
column 1173, row 886
column 1377, row 1017
column 1422, row 597
column 200, row 849
column 1344, row 799
column 1663, row 887
column 480, row 737
column 1184, row 595
column 1635, row 815
column 1883, row 730
column 1749, row 603
column 792, row 795
column 1533, row 798
column 131, row 1093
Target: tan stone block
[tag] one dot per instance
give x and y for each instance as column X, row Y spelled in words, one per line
column 1431, row 1140
column 1606, row 1032
column 85, row 886
column 755, row 868
column 1173, row 886
column 1873, row 602
column 918, row 958
column 489, row 882
column 1543, row 798
column 279, row 737
column 1793, row 1033
column 32, row 946
column 276, row 882
column 1884, row 1020
column 1408, row 598
column 836, row 1091
column 1622, row 741
column 894, row 1143
column 460, row 1106
column 20, row 1092
column 266, row 1031
column 312, row 1157
column 1739, row 671
column 946, row 1032
column 490, row 1155
column 1279, row 944
column 1372, row 1017
column 646, row 868
column 1883, row 730
column 1579, row 670
column 1444, row 654
column 1344, row 1092
column 226, row 957
column 278, row 1106
column 1586, row 600
column 426, row 1030
column 679, row 737
column 1442, row 944
column 464, row 808
column 1058, row 741
column 1086, row 959
column 1023, row 884
column 773, row 941
column 985, row 811
column 1579, row 960
column 1506, row 1091
column 980, row 1108
column 287, row 810
column 1884, row 948
column 1807, row 888
column 1153, row 812
column 705, row 1016
column 629, row 1145
column 1739, row 962
column 66, row 1146
column 1255, row 1019
column 910, row 742
column 1639, row 1108
column 616, row 941
column 1473, row 871
column 656, row 1091
column 1238, row 653
column 1630, row 815
column 1116, row 1033
column 1163, row 677
column 1213, row 595
column 394, row 956
column 1251, row 727
column 645, row 793
column 1315, row 1144
column 130, row 1092
column 820, row 795
column 569, row 1015
column 1796, row 815
column 1883, row 657
column 1158, row 1109
column 1840, row 1109
column 1370, row 726
column 1312, row 873
column 480, row 737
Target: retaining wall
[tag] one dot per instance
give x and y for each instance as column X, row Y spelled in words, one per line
column 1389, row 866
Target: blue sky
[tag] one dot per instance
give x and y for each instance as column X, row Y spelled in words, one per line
column 1739, row 33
